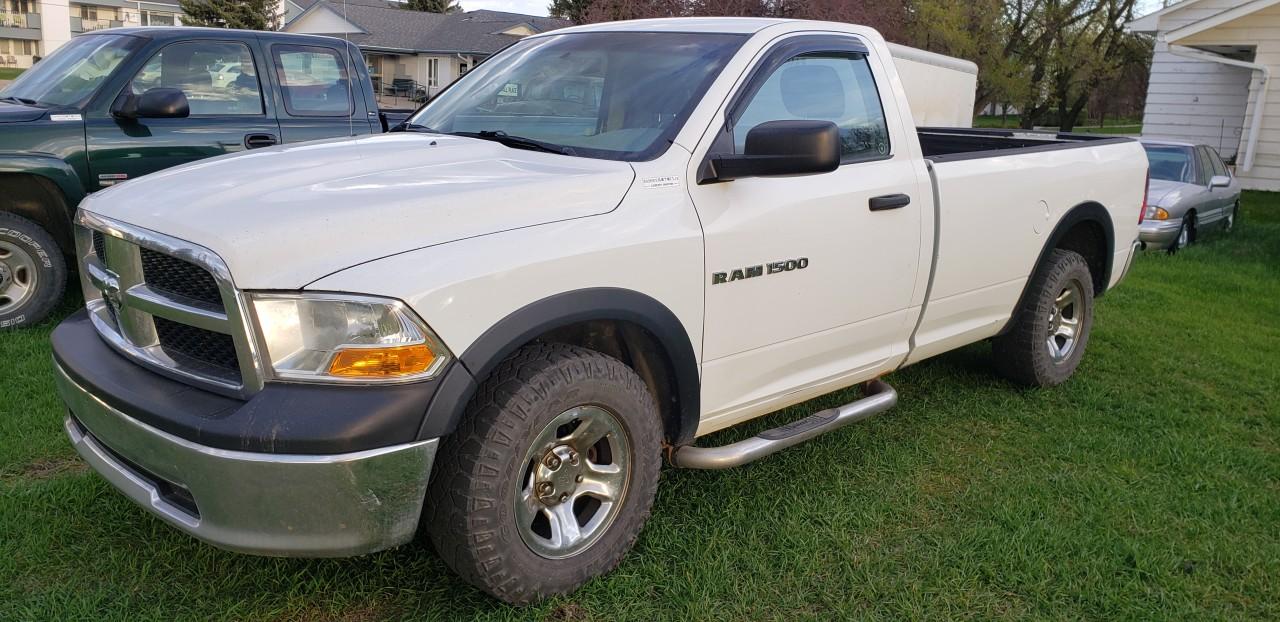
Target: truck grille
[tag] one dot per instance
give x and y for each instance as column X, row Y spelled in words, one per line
column 199, row 346
column 167, row 304
column 180, row 278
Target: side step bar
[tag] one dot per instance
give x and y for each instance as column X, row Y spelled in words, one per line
column 879, row 398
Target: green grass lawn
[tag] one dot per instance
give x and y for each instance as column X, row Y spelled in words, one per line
column 9, row 73
column 1148, row 487
column 1086, row 126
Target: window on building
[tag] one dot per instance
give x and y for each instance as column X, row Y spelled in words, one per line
column 433, row 72
column 157, row 18
column 88, row 12
column 218, row 78
column 313, row 81
column 836, row 87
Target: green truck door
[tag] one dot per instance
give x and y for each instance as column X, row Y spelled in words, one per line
column 320, row 92
column 230, row 112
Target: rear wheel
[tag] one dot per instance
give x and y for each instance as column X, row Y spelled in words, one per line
column 1049, row 333
column 33, row 273
column 550, row 476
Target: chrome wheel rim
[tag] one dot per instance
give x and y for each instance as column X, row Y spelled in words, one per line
column 575, row 477
column 1183, row 236
column 17, row 276
column 1064, row 322
column 1231, row 220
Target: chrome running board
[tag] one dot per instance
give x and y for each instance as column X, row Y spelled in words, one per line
column 879, row 398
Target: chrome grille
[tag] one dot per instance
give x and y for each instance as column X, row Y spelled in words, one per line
column 166, row 303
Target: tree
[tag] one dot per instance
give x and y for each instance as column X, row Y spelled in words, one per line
column 572, row 10
column 247, row 14
column 434, row 6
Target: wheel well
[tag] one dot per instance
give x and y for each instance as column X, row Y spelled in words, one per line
column 1089, row 240
column 37, row 199
column 638, row 349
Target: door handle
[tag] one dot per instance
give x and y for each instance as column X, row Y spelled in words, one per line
column 254, row 141
column 889, row 201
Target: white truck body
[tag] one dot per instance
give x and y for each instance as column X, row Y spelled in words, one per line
column 783, row 288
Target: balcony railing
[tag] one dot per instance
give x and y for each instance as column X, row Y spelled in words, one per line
column 79, row 24
column 19, row 20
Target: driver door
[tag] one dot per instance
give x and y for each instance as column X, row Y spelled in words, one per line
column 227, row 116
column 810, row 276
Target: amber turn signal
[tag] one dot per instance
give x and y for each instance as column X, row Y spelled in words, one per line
column 382, row 362
column 1161, row 214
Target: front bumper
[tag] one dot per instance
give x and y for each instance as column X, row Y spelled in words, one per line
column 1158, row 234
column 262, row 503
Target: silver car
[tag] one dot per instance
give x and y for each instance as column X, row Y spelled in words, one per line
column 1191, row 191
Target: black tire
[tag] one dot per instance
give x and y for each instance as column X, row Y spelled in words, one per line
column 1189, row 228
column 480, row 470
column 33, row 273
column 1233, row 219
column 1024, row 354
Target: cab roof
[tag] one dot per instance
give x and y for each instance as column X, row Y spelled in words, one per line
column 728, row 25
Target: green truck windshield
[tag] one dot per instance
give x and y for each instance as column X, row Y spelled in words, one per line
column 73, row 73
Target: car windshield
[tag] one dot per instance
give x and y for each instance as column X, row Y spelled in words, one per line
column 616, row 95
column 73, row 73
column 1171, row 163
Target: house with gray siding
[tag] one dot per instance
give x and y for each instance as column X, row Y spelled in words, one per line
column 1209, row 81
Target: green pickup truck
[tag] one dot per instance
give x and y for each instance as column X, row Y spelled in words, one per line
column 116, row 104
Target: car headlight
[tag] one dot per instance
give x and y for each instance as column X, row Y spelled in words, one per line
column 345, row 338
column 1157, row 213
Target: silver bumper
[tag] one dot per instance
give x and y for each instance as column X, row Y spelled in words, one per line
column 1158, row 234
column 266, row 504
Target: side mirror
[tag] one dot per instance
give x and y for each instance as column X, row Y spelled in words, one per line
column 1219, row 181
column 157, row 103
column 777, row 148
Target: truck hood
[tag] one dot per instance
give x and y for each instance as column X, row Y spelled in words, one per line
column 19, row 113
column 285, row 216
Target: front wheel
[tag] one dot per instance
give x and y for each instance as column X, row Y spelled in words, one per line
column 33, row 273
column 1186, row 235
column 1050, row 331
column 1232, row 217
column 549, row 477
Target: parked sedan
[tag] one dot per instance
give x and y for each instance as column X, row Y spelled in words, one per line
column 1191, row 191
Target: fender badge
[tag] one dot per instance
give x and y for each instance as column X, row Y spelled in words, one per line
column 65, row 117
column 751, row 272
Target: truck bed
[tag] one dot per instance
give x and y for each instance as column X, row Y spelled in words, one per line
column 944, row 144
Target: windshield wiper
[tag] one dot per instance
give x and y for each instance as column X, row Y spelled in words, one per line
column 20, row 100
column 519, row 142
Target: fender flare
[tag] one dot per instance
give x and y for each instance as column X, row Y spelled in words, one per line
column 1089, row 211
column 56, row 171
column 515, row 330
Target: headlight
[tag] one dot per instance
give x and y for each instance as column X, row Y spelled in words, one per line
column 345, row 338
column 1157, row 213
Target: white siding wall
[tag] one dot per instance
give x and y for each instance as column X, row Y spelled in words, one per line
column 1195, row 101
column 1260, row 29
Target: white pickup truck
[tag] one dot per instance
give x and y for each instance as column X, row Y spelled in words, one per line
column 598, row 246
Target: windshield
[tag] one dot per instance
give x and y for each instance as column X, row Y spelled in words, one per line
column 616, row 95
column 1171, row 163
column 73, row 73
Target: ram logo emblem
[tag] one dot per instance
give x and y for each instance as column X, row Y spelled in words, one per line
column 750, row 272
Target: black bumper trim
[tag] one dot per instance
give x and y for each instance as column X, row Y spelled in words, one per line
column 282, row 418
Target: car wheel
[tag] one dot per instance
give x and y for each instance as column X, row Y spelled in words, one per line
column 1050, row 331
column 1232, row 217
column 33, row 273
column 1186, row 235
column 550, row 475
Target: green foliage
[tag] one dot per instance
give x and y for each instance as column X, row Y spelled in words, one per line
column 247, row 14
column 434, row 6
column 572, row 10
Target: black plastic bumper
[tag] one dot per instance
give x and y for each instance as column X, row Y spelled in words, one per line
column 282, row 418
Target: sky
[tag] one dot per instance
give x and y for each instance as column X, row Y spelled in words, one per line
column 539, row 7
column 528, row 7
